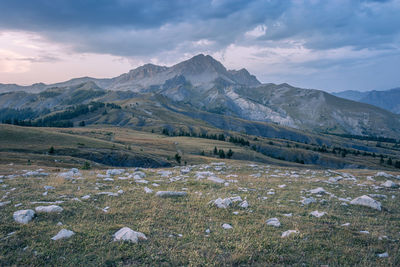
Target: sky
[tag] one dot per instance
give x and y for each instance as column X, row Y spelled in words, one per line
column 330, row 45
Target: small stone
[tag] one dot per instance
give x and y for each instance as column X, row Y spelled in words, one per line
column 23, row 216
column 383, row 255
column 287, row 214
column 318, row 190
column 127, row 234
column 307, row 201
column 317, row 214
column 63, row 234
column 49, row 209
column 244, row 204
column 4, row 203
column 346, row 224
column 170, row 194
column 148, row 190
column 227, row 226
column 289, row 233
column 85, row 197
column 364, row 232
column 274, row 222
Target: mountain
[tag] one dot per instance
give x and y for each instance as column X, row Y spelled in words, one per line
column 389, row 99
column 202, row 89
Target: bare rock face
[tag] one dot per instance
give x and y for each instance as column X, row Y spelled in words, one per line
column 23, row 216
column 367, row 202
column 127, row 234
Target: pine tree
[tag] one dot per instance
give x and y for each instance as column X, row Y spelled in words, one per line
column 229, row 154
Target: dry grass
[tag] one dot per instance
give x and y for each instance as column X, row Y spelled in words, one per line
column 250, row 242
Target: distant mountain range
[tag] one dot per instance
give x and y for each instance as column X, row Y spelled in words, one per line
column 201, row 91
column 389, row 99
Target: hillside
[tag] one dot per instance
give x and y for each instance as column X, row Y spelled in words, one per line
column 201, row 91
column 389, row 99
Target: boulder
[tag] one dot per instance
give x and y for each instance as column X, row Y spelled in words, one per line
column 227, row 226
column 49, row 209
column 367, row 202
column 273, row 222
column 63, row 234
column 390, row 184
column 23, row 216
column 127, row 234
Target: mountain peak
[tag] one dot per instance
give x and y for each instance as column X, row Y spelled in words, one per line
column 200, row 64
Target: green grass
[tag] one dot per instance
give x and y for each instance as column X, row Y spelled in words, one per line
column 250, row 242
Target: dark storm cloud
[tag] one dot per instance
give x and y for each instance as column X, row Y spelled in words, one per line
column 131, row 27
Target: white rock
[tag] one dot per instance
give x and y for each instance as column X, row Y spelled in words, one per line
column 142, row 181
column 4, row 203
column 148, row 190
column 108, row 179
column 244, row 204
column 215, row 179
column 23, row 216
column 127, row 234
column 49, row 209
column 165, row 173
column 390, row 184
column 287, row 214
column 364, row 232
column 110, row 194
column 63, row 234
column 346, row 224
column 48, row 187
column 318, row 190
column 282, row 186
column 112, row 172
column 383, row 255
column 227, row 226
column 274, row 222
column 383, row 174
column 307, row 201
column 367, row 202
column 85, row 197
column 317, row 214
column 208, row 231
column 289, row 232
column 170, row 194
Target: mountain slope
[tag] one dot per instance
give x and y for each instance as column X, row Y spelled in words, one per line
column 389, row 99
column 202, row 84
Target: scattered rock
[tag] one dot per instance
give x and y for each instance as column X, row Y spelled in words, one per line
column 170, row 194
column 110, row 194
column 227, row 226
column 383, row 255
column 113, row 172
column 244, row 204
column 49, row 209
column 287, row 214
column 274, row 222
column 148, row 190
column 390, row 184
column 215, row 179
column 319, row 191
column 307, row 201
column 63, row 234
column 85, row 197
column 49, row 187
column 23, row 216
column 289, row 233
column 127, row 234
column 367, row 202
column 346, row 224
column 317, row 214
column 4, row 203
column 383, row 174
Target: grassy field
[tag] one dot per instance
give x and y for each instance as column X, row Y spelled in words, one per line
column 176, row 227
